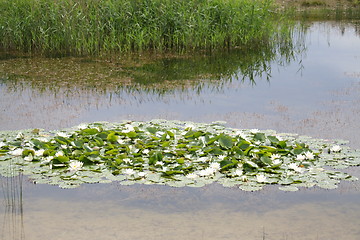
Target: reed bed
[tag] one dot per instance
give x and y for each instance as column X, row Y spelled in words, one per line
column 93, row 27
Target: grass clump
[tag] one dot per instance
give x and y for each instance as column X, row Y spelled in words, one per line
column 83, row 27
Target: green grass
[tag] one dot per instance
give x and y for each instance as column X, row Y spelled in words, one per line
column 94, row 27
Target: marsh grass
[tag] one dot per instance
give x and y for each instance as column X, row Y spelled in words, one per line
column 83, row 27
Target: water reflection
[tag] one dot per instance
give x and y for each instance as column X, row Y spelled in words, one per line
column 321, row 100
column 149, row 73
column 112, row 211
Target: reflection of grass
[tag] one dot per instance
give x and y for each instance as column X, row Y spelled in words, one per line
column 13, row 218
column 93, row 27
column 147, row 72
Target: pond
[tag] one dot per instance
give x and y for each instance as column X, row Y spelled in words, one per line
column 312, row 89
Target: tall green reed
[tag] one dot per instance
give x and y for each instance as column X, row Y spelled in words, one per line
column 83, row 27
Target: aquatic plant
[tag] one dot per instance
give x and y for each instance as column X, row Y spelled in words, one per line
column 81, row 27
column 177, row 154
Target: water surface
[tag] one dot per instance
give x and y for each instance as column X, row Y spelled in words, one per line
column 316, row 92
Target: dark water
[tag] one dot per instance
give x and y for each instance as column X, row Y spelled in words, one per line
column 312, row 89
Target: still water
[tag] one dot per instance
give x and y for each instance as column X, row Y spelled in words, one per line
column 311, row 89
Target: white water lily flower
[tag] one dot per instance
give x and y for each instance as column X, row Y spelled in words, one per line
column 59, row 154
column 239, row 172
column 82, row 126
column 275, row 156
column 276, row 162
column 221, row 157
column 47, row 159
column 42, row 139
column 244, row 178
column 279, row 138
column 75, row 165
column 128, row 128
column 39, row 152
column 254, row 131
column 191, row 126
column 215, row 166
column 145, row 151
column 19, row 135
column 16, row 152
column 300, row 157
column 257, row 142
column 61, row 134
column 160, row 163
column 129, row 171
column 120, row 141
column 29, row 158
column 309, row 155
column 206, row 172
column 261, row 178
column 142, row 174
column 2, row 144
column 202, row 159
column 191, row 176
column 296, row 168
column 159, row 133
column 335, row 148
column 127, row 160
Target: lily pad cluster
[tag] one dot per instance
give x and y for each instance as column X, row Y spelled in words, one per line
column 175, row 153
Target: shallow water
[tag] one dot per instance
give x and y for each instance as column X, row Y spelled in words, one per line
column 316, row 93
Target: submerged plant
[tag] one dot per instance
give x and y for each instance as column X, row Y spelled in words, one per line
column 175, row 153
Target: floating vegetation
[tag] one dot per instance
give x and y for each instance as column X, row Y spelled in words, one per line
column 175, row 153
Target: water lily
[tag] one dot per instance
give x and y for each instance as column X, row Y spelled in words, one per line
column 127, row 160
column 59, row 154
column 42, row 139
column 300, row 157
column 159, row 134
column 29, row 158
column 206, row 172
column 309, row 155
column 145, row 151
column 142, row 174
column 335, row 148
column 16, row 152
column 261, row 178
column 82, row 126
column 39, row 152
column 75, row 165
column 276, row 162
column 279, row 138
column 160, row 163
column 239, row 172
column 275, row 156
column 254, row 131
column 62, row 134
column 295, row 167
column 215, row 166
column 19, row 135
column 129, row 171
column 191, row 176
column 128, row 128
column 2, row 144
